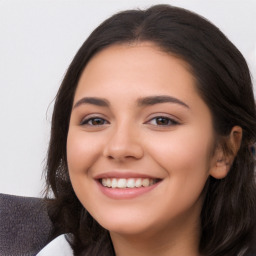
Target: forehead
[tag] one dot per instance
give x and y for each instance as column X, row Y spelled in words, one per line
column 143, row 64
column 137, row 53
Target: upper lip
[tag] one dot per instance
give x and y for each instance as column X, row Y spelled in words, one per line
column 124, row 175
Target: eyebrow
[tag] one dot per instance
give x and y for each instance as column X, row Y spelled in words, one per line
column 94, row 101
column 152, row 100
column 146, row 101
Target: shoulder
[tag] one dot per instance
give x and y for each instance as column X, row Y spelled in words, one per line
column 58, row 246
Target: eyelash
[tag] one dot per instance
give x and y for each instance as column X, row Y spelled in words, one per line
column 91, row 119
column 170, row 121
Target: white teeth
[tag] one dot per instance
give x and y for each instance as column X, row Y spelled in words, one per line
column 138, row 183
column 127, row 183
column 109, row 182
column 145, row 182
column 104, row 182
column 114, row 183
column 121, row 183
column 130, row 183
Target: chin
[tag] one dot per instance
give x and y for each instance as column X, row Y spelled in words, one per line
column 125, row 226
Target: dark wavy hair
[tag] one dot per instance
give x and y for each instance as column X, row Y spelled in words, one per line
column 224, row 83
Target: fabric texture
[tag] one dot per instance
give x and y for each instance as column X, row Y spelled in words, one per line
column 25, row 227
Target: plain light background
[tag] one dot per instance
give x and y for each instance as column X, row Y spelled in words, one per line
column 38, row 39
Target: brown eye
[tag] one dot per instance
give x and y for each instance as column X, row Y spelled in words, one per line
column 162, row 121
column 94, row 121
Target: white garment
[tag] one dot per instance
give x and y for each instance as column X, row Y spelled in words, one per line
column 58, row 246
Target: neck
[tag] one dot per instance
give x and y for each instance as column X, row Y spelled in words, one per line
column 181, row 238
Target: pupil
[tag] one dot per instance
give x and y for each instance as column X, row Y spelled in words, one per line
column 97, row 121
column 162, row 121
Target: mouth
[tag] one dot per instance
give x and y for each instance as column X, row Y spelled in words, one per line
column 126, row 183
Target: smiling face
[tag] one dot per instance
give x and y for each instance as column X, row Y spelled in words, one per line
column 140, row 141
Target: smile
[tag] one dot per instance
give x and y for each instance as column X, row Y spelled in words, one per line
column 120, row 185
column 128, row 183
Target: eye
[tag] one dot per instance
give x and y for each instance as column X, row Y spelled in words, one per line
column 162, row 121
column 94, row 121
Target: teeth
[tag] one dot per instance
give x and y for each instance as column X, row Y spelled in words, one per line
column 114, row 183
column 121, row 183
column 130, row 183
column 104, row 182
column 145, row 182
column 127, row 183
column 109, row 183
column 138, row 183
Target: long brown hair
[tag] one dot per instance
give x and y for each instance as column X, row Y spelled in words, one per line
column 223, row 81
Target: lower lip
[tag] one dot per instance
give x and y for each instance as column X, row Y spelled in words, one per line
column 125, row 193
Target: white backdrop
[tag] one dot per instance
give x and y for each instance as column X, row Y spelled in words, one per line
column 38, row 39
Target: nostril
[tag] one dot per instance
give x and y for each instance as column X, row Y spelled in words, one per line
column 123, row 151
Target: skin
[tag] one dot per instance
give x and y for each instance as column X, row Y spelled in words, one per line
column 127, row 137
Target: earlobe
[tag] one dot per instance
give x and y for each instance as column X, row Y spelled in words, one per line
column 223, row 158
column 220, row 169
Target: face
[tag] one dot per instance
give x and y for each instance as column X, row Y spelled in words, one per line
column 140, row 140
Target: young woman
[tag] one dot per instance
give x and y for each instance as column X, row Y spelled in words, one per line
column 152, row 138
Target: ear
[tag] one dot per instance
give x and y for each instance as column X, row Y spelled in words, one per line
column 223, row 159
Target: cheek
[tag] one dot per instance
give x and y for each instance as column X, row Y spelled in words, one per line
column 186, row 161
column 185, row 147
column 185, row 156
column 82, row 151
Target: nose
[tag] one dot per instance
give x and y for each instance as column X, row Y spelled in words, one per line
column 122, row 144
